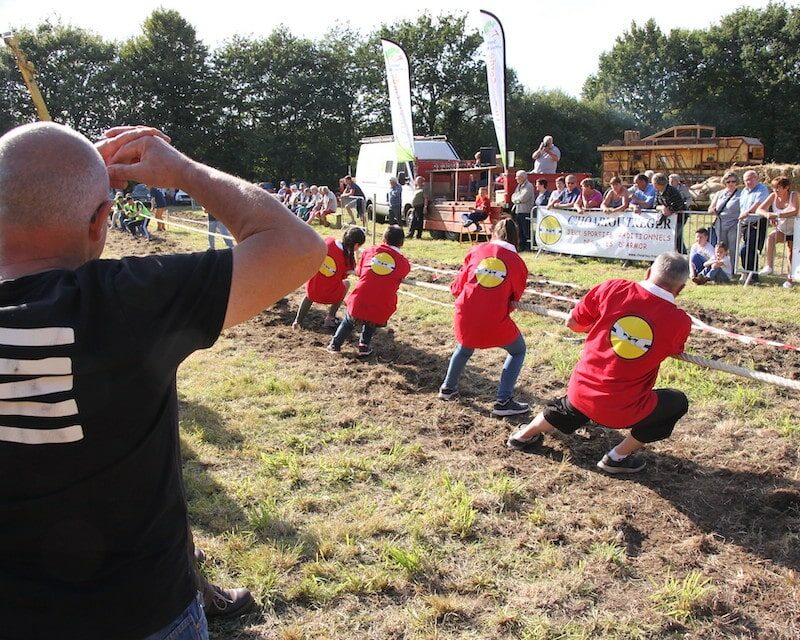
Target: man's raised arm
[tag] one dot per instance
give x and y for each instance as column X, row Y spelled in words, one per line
column 276, row 251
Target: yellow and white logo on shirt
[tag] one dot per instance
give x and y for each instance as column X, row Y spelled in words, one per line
column 328, row 268
column 550, row 230
column 491, row 272
column 382, row 263
column 631, row 337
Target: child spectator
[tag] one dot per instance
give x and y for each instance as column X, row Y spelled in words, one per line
column 374, row 298
column 491, row 278
column 555, row 196
column 330, row 284
column 701, row 251
column 717, row 269
column 481, row 212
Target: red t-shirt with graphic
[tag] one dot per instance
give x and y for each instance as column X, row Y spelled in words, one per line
column 491, row 278
column 633, row 330
column 327, row 285
column 380, row 272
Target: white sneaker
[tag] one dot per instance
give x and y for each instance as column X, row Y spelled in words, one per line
column 765, row 271
column 788, row 284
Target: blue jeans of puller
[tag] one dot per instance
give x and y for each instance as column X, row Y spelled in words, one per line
column 189, row 625
column 511, row 367
column 346, row 327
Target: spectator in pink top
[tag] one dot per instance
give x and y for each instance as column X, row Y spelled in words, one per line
column 589, row 198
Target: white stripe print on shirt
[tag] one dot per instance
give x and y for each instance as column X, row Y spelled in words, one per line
column 54, row 375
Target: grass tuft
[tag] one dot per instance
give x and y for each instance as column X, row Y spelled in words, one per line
column 683, row 599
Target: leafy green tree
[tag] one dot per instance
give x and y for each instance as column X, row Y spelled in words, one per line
column 163, row 80
column 75, row 73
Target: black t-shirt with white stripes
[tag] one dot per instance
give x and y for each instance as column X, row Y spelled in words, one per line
column 93, row 523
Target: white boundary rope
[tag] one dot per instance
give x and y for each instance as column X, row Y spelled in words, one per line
column 717, row 365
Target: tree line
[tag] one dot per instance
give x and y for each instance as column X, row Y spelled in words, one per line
column 284, row 106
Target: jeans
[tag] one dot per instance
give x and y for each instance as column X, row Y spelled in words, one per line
column 715, row 275
column 346, row 327
column 698, row 262
column 189, row 625
column 508, row 378
column 215, row 226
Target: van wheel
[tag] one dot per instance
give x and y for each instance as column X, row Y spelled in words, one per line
column 436, row 234
column 370, row 212
column 451, row 235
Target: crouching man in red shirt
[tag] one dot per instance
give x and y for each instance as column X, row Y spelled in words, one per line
column 632, row 328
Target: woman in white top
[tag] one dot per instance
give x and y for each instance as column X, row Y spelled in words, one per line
column 561, row 185
column 780, row 207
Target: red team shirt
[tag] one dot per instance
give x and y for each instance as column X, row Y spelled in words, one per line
column 380, row 272
column 492, row 276
column 634, row 327
column 327, row 285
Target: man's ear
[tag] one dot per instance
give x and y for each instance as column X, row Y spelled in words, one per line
column 99, row 220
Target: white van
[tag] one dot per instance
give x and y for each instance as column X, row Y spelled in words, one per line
column 377, row 162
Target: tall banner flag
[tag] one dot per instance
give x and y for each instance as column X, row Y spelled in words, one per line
column 398, row 80
column 494, row 50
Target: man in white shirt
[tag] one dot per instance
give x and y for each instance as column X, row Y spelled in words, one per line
column 546, row 157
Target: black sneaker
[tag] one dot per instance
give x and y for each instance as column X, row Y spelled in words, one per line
column 225, row 603
column 526, row 446
column 510, row 408
column 631, row 464
column 364, row 350
column 447, row 394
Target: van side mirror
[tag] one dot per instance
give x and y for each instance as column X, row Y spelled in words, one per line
column 402, row 178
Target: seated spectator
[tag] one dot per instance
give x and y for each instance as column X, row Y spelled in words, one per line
column 780, row 208
column 542, row 193
column 323, row 206
column 589, row 197
column 571, row 192
column 282, row 190
column 555, row 195
column 716, row 269
column 616, row 198
column 480, row 213
column 642, row 194
column 668, row 202
column 678, row 182
column 701, row 251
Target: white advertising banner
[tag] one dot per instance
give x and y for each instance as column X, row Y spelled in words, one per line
column 627, row 236
column 494, row 51
column 398, row 80
column 796, row 252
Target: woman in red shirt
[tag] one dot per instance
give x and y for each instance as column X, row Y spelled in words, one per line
column 491, row 278
column 481, row 212
column 330, row 284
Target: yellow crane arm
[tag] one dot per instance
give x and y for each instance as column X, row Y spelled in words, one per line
column 28, row 74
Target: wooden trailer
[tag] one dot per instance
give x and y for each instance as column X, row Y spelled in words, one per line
column 694, row 151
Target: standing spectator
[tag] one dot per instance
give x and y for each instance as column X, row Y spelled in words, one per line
column 95, row 542
column 642, row 194
column 492, row 277
column 589, row 197
column 678, row 182
column 216, row 227
column 420, row 203
column 781, row 208
column 668, row 202
column 726, row 207
column 353, row 193
column 395, row 198
column 522, row 199
column 542, row 193
column 616, row 198
column 158, row 204
column 546, row 157
column 570, row 194
column 555, row 195
column 754, row 226
column 631, row 329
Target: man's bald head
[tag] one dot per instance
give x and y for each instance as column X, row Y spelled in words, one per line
column 49, row 176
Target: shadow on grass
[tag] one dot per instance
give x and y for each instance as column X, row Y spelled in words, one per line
column 757, row 511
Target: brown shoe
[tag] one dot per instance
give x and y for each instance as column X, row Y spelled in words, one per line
column 219, row 602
